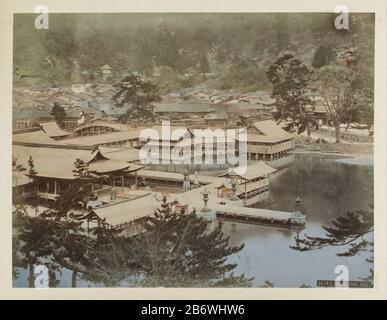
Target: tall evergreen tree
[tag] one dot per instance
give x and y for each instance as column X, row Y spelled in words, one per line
column 59, row 113
column 168, row 249
column 34, row 245
column 75, row 240
column 290, row 78
column 180, row 249
column 137, row 95
column 322, row 56
column 17, row 169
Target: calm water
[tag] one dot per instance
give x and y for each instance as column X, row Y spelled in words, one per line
column 327, row 187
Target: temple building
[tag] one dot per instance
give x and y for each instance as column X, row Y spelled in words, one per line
column 107, row 71
column 54, row 163
column 249, row 184
column 267, row 141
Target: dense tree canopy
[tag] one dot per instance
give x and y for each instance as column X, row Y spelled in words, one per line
column 290, row 79
column 322, row 56
column 76, row 45
column 180, row 250
column 58, row 112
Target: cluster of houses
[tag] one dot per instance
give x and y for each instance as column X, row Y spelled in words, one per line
column 202, row 93
column 32, row 106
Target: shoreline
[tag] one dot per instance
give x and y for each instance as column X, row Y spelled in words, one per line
column 354, row 150
column 367, row 156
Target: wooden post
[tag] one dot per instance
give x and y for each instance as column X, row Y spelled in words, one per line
column 245, row 193
column 47, row 189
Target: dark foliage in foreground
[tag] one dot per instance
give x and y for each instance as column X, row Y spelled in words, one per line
column 346, row 231
column 173, row 250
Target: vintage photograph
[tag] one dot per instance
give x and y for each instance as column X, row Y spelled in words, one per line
column 197, row 150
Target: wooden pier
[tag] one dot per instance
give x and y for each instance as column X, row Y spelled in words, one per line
column 260, row 216
column 220, row 208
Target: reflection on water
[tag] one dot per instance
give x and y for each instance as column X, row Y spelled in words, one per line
column 327, row 188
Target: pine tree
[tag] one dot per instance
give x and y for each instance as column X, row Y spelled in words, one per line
column 179, row 249
column 347, row 231
column 171, row 250
column 31, row 166
column 34, row 243
column 76, row 244
column 34, row 237
column 81, row 169
column 17, row 168
column 59, row 113
column 109, row 255
column 290, row 79
column 267, row 284
column 71, row 245
column 32, row 174
column 138, row 95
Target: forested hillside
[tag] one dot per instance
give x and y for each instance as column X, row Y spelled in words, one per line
column 227, row 51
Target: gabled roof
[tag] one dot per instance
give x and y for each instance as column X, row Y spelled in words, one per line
column 183, row 107
column 260, row 138
column 267, row 131
column 31, row 114
column 58, row 162
column 104, row 138
column 106, row 67
column 250, row 172
column 218, row 115
column 259, row 96
column 20, row 178
column 130, row 210
column 271, row 128
column 121, row 154
column 53, row 130
column 34, row 137
column 176, row 132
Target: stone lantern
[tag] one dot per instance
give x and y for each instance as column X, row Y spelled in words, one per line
column 205, row 194
column 186, row 182
column 233, row 196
